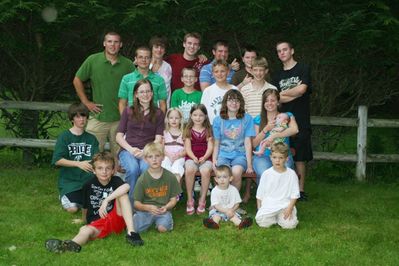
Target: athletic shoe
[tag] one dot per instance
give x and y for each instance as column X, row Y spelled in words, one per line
column 59, row 246
column 134, row 239
column 245, row 223
column 209, row 223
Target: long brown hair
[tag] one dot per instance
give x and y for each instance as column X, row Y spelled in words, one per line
column 232, row 94
column 137, row 109
column 190, row 124
column 263, row 112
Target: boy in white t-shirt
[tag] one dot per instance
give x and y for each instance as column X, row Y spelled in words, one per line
column 225, row 200
column 277, row 192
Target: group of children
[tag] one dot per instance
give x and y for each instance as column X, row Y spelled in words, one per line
column 214, row 138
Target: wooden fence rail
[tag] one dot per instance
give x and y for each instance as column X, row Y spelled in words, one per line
column 362, row 123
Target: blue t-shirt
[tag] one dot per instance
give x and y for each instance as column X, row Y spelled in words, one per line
column 231, row 134
column 207, row 76
column 286, row 139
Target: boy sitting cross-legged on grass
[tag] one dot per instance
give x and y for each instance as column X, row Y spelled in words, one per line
column 155, row 193
column 106, row 208
column 277, row 192
column 225, row 200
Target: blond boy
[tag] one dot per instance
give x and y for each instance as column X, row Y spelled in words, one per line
column 278, row 192
column 155, row 193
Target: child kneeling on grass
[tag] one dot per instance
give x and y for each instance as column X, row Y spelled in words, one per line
column 155, row 193
column 225, row 200
column 277, row 192
column 106, row 208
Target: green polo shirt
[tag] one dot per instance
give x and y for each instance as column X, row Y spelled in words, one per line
column 126, row 88
column 104, row 81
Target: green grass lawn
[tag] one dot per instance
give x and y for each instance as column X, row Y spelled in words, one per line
column 343, row 223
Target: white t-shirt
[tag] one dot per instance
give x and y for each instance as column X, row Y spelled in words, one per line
column 276, row 190
column 227, row 198
column 212, row 98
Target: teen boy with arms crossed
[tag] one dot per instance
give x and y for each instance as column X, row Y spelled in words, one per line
column 277, row 192
column 155, row 193
column 294, row 84
column 126, row 88
column 104, row 70
column 73, row 152
column 106, row 206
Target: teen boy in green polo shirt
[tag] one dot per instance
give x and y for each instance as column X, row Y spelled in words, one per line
column 143, row 60
column 104, row 71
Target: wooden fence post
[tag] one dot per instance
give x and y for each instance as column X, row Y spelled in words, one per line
column 361, row 143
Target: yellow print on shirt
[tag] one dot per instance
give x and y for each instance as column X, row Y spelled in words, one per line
column 157, row 192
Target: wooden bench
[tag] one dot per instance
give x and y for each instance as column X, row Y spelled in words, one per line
column 244, row 175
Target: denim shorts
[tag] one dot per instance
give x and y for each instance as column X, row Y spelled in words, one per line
column 239, row 160
column 143, row 220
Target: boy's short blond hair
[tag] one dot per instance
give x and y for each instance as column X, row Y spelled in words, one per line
column 104, row 156
column 280, row 147
column 223, row 168
column 260, row 62
column 220, row 62
column 152, row 148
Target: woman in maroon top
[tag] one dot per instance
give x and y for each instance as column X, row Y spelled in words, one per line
column 140, row 124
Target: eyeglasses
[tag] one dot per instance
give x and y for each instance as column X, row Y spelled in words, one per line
column 233, row 100
column 143, row 57
column 144, row 92
column 189, row 77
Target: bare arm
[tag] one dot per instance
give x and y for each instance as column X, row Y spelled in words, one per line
column 122, row 104
column 293, row 93
column 84, row 165
column 80, row 91
column 121, row 190
column 215, row 152
column 123, row 143
column 189, row 151
column 288, row 210
column 258, row 203
column 248, row 154
column 162, row 106
column 208, row 152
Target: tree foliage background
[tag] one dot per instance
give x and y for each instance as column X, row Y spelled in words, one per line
column 352, row 46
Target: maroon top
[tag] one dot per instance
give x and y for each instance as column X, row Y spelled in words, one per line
column 199, row 144
column 138, row 134
column 177, row 62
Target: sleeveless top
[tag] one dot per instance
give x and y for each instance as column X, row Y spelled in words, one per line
column 199, row 143
column 173, row 144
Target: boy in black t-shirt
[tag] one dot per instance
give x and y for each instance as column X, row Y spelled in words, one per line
column 294, row 85
column 106, row 208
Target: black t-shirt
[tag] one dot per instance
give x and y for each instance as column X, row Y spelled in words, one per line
column 300, row 107
column 94, row 193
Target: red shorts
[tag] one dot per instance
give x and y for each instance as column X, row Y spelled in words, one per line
column 112, row 223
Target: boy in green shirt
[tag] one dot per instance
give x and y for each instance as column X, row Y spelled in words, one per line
column 155, row 193
column 188, row 96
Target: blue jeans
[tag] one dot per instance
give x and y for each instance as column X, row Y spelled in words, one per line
column 262, row 163
column 134, row 167
column 143, row 220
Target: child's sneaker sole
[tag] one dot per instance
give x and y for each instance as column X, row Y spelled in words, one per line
column 55, row 245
